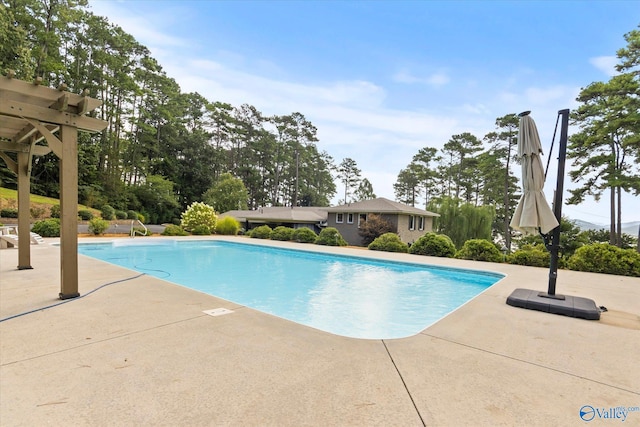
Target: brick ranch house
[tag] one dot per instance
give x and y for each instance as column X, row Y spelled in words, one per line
column 409, row 222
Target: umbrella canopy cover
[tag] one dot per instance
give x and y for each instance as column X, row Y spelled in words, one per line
column 533, row 212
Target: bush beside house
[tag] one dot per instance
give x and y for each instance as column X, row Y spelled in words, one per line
column 479, row 250
column 432, row 244
column 330, row 236
column 304, row 235
column 389, row 242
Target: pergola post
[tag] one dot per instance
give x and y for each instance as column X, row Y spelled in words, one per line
column 69, row 213
column 24, row 226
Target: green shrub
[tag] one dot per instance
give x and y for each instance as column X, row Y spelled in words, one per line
column 432, row 244
column 85, row 214
column 606, row 258
column 131, row 214
column 262, row 232
column 330, row 236
column 121, row 215
column 199, row 214
column 282, row 233
column 174, row 230
column 47, row 227
column 36, row 212
column 304, row 235
column 389, row 242
column 107, row 212
column 201, row 230
column 98, row 226
column 228, row 226
column 55, row 211
column 532, row 255
column 479, row 250
column 9, row 213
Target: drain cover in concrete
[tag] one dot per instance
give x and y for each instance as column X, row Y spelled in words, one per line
column 217, row 311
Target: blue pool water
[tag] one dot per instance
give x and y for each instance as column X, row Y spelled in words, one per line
column 349, row 296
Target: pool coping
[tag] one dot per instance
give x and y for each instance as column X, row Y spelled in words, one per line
column 142, row 361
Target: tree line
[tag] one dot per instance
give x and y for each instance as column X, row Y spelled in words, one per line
column 164, row 149
column 465, row 175
column 469, row 172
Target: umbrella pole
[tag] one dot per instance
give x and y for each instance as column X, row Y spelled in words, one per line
column 554, row 248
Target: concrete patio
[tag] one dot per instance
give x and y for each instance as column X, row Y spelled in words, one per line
column 141, row 352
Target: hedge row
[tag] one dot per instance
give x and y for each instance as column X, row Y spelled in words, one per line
column 329, row 236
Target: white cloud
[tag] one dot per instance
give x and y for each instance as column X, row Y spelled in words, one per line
column 606, row 64
column 436, row 79
column 147, row 29
column 347, row 104
column 475, row 109
column 546, row 95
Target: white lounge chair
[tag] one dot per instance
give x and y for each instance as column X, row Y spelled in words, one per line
column 9, row 237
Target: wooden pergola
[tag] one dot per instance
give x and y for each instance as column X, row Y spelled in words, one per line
column 31, row 114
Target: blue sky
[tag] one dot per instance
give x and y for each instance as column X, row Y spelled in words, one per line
column 382, row 79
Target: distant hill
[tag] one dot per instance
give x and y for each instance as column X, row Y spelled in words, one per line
column 631, row 228
column 627, row 227
column 584, row 225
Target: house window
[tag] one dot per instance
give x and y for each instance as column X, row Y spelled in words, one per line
column 421, row 223
column 349, row 218
column 339, row 218
column 412, row 222
column 361, row 218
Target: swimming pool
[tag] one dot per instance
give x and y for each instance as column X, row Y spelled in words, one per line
column 350, row 296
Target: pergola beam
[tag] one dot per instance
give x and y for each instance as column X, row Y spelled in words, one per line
column 12, row 147
column 41, row 95
column 13, row 108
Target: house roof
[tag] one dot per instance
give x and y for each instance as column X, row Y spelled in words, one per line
column 311, row 214
column 381, row 205
column 298, row 214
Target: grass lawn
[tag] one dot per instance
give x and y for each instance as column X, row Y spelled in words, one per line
column 9, row 199
column 6, row 194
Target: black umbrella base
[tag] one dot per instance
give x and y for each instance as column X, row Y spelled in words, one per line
column 571, row 306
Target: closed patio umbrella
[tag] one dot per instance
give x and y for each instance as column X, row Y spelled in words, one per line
column 533, row 213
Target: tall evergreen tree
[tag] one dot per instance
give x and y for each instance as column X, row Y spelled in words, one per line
column 423, row 164
column 503, row 143
column 603, row 151
column 365, row 191
column 349, row 175
column 460, row 153
column 408, row 184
